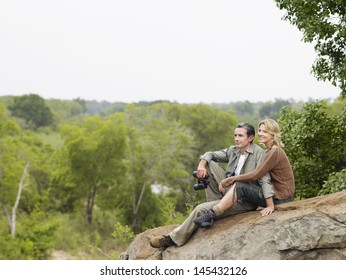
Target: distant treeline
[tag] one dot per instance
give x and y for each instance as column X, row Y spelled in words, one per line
column 65, row 109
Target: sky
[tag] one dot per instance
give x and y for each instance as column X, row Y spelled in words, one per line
column 188, row 51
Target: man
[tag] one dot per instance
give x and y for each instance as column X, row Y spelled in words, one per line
column 241, row 158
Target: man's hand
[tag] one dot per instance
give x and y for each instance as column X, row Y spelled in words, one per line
column 201, row 169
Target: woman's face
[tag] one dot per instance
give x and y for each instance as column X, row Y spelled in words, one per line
column 263, row 136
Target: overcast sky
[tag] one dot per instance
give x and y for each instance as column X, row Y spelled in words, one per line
column 187, row 51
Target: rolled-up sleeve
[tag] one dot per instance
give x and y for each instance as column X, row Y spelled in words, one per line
column 218, row 156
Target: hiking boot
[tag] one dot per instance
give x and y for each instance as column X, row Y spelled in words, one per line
column 206, row 220
column 161, row 241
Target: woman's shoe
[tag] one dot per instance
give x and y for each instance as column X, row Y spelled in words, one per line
column 206, row 220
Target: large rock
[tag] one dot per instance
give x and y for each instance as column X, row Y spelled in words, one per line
column 307, row 229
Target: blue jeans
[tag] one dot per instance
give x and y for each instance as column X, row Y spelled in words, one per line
column 252, row 192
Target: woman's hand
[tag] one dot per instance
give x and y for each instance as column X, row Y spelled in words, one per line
column 267, row 211
column 226, row 183
column 221, row 188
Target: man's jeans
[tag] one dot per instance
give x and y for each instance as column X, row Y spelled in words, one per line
column 182, row 233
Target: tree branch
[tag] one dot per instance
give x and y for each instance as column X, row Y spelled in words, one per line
column 14, row 209
column 7, row 213
column 139, row 199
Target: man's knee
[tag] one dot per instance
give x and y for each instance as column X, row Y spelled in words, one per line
column 213, row 164
column 203, row 207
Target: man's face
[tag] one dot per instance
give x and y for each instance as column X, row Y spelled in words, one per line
column 242, row 141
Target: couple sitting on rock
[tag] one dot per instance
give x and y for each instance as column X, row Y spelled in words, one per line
column 253, row 177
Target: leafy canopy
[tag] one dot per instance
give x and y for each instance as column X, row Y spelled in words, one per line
column 33, row 109
column 323, row 22
column 314, row 142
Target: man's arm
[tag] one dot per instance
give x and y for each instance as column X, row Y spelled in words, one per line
column 218, row 156
column 202, row 168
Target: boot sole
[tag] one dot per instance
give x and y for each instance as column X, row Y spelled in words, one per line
column 204, row 225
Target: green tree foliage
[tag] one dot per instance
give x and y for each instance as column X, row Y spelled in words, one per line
column 96, row 152
column 243, row 108
column 36, row 234
column 11, row 164
column 63, row 195
column 212, row 129
column 66, row 111
column 123, row 233
column 33, row 231
column 159, row 149
column 7, row 126
column 272, row 109
column 246, row 111
column 323, row 23
column 314, row 142
column 336, row 182
column 15, row 153
column 33, row 109
column 82, row 103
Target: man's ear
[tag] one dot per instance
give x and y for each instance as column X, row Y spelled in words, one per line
column 251, row 138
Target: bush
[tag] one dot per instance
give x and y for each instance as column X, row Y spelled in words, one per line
column 123, row 234
column 314, row 143
column 335, row 183
column 35, row 236
column 169, row 213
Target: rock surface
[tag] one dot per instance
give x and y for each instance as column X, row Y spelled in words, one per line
column 307, row 229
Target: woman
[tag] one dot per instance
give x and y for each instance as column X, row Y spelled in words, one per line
column 275, row 162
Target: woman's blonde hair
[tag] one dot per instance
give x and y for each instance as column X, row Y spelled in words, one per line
column 273, row 128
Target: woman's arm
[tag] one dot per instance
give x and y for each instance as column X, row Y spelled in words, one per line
column 270, row 207
column 269, row 162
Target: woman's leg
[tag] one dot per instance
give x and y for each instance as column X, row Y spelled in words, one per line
column 207, row 219
column 248, row 192
column 226, row 202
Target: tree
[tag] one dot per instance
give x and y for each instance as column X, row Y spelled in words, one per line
column 12, row 217
column 272, row 109
column 323, row 23
column 82, row 102
column 243, row 108
column 212, row 128
column 33, row 109
column 314, row 142
column 96, row 152
column 22, row 189
column 159, row 153
column 66, row 111
column 7, row 126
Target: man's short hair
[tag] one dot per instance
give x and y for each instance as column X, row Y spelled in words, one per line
column 250, row 130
